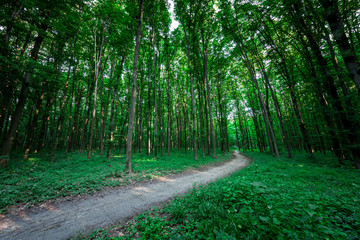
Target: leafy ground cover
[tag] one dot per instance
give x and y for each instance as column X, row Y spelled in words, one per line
column 301, row 198
column 35, row 179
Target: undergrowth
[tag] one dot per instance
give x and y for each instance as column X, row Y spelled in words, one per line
column 301, row 198
column 36, row 180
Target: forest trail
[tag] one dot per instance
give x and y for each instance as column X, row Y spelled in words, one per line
column 68, row 219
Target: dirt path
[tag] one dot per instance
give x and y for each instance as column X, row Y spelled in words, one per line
column 68, row 219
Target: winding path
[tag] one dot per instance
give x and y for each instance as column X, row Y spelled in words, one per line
column 68, row 219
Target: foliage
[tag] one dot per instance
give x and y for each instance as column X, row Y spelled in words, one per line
column 35, row 179
column 274, row 75
column 290, row 199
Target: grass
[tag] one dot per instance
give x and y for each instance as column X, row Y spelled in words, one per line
column 301, row 198
column 36, row 180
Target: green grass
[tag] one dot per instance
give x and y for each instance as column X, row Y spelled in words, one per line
column 301, row 198
column 35, row 179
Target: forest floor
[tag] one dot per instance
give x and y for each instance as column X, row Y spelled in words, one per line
column 66, row 219
column 306, row 197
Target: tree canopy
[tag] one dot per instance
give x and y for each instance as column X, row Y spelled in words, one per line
column 110, row 76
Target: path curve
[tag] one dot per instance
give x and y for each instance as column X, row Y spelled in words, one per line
column 68, row 219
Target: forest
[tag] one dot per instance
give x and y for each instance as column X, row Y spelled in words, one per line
column 123, row 80
column 97, row 76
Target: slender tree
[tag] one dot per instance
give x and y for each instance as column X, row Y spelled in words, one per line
column 128, row 164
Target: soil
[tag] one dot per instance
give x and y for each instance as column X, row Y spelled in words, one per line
column 66, row 218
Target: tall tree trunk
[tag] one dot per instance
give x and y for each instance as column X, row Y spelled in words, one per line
column 149, row 121
column 74, row 127
column 128, row 163
column 250, row 67
column 102, row 114
column 350, row 122
column 263, row 107
column 278, row 111
column 86, row 113
column 113, row 104
column 242, row 134
column 285, row 73
column 15, row 121
column 161, row 122
column 180, row 130
column 336, row 23
column 141, row 114
column 68, row 135
column 208, row 141
column 56, row 134
column 33, row 125
column 256, row 125
column 299, row 118
column 44, row 126
column 168, row 125
column 97, row 68
column 221, row 120
column 208, row 96
column 185, row 114
column 226, row 133
column 202, row 138
column 5, row 126
column 192, row 95
column 149, row 111
column 237, row 134
column 155, row 141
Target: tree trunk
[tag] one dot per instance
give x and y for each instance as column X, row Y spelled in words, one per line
column 102, row 114
column 112, row 111
column 208, row 141
column 278, row 111
column 168, row 125
column 97, row 68
column 237, row 135
column 202, row 137
column 208, row 97
column 149, row 122
column 256, row 125
column 350, row 121
column 128, row 163
column 263, row 107
column 336, row 23
column 192, row 95
column 285, row 73
column 221, row 121
column 162, row 143
column 86, row 114
column 56, row 134
column 155, row 141
column 161, row 122
column 68, row 135
column 33, row 125
column 140, row 114
column 185, row 114
column 44, row 126
column 74, row 128
column 6, row 147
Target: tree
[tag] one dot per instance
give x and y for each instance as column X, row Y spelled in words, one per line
column 128, row 164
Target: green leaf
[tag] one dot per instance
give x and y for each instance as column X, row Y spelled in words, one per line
column 256, row 184
column 312, row 207
column 311, row 213
column 276, row 221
